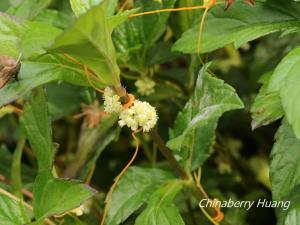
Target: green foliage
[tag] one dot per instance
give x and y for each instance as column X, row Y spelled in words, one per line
column 85, row 40
column 285, row 80
column 134, row 189
column 284, row 168
column 61, row 195
column 12, row 212
column 70, row 49
column 160, row 208
column 133, row 47
column 193, row 134
column 240, row 24
column 267, row 106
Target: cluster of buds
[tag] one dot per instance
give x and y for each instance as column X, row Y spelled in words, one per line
column 145, row 86
column 137, row 115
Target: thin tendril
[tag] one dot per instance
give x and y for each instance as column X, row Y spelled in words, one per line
column 113, row 187
column 89, row 80
column 168, row 10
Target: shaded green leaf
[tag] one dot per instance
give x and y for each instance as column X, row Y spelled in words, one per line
column 193, row 132
column 267, row 106
column 240, row 24
column 56, row 196
column 135, row 187
column 12, row 212
column 135, row 37
column 161, row 209
column 43, row 70
column 285, row 168
column 37, row 126
column 63, row 99
column 290, row 216
column 89, row 41
column 286, row 80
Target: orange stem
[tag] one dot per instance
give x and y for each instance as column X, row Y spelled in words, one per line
column 168, row 10
column 113, row 187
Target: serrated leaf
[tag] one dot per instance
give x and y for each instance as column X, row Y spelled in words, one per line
column 89, row 41
column 136, row 36
column 286, row 81
column 160, row 209
column 43, row 70
column 267, row 106
column 12, row 212
column 193, row 132
column 56, row 196
column 285, row 168
column 135, row 187
column 240, row 24
column 37, row 126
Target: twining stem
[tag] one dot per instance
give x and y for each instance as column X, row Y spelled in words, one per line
column 168, row 10
column 113, row 187
column 11, row 196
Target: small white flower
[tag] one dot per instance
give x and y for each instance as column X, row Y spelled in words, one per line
column 112, row 101
column 145, row 86
column 140, row 114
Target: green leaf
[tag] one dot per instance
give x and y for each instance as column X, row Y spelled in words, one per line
column 286, row 80
column 135, row 37
column 135, row 187
column 51, row 196
column 37, row 126
column 193, row 133
column 290, row 216
column 89, row 41
column 160, row 209
column 240, row 24
column 10, row 33
column 56, row 196
column 12, row 212
column 29, row 9
column 267, row 106
column 285, row 168
column 45, row 69
column 37, row 37
column 80, row 7
column 63, row 99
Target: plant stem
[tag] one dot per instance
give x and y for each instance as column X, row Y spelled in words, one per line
column 178, row 169
column 16, row 180
column 168, row 155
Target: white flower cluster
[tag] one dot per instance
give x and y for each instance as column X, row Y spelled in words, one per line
column 145, row 86
column 112, row 101
column 138, row 115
